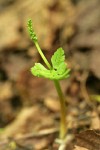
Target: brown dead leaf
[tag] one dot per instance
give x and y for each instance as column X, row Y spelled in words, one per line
column 41, row 143
column 5, row 91
column 52, row 104
column 95, row 121
column 17, row 125
column 80, row 148
column 89, row 139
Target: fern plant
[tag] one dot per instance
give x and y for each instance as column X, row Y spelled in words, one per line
column 55, row 71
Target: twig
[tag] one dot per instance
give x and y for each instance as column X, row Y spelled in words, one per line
column 31, row 135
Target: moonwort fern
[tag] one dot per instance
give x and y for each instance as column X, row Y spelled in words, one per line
column 56, row 70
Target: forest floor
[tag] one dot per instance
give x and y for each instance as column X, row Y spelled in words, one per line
column 29, row 106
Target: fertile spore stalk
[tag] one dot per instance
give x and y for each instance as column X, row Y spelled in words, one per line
column 56, row 71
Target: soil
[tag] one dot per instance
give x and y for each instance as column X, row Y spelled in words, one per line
column 29, row 106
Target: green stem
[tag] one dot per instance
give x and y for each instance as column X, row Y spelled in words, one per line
column 42, row 55
column 63, row 127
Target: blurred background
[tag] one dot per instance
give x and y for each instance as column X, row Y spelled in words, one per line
column 71, row 24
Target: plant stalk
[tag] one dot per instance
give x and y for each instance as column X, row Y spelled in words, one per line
column 42, row 55
column 63, row 126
